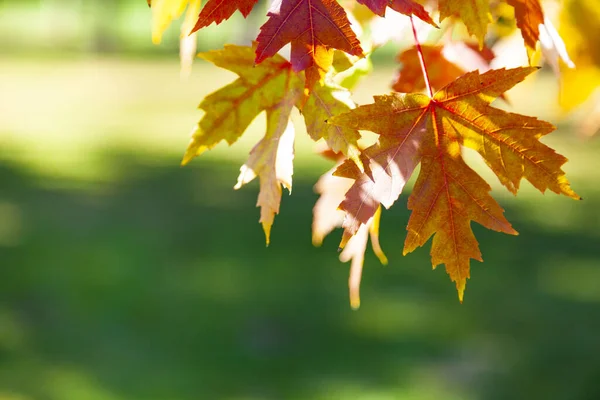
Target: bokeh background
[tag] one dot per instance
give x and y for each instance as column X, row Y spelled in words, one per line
column 126, row 277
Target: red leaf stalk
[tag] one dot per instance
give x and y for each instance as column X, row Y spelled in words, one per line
column 421, row 59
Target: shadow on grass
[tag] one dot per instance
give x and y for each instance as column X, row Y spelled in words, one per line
column 159, row 286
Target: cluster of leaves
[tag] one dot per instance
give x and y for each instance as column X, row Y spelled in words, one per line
column 441, row 104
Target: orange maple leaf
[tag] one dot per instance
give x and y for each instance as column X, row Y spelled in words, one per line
column 406, row 7
column 313, row 27
column 441, row 70
column 445, row 63
column 415, row 129
column 529, row 16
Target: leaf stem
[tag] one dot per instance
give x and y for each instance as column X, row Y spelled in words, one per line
column 421, row 59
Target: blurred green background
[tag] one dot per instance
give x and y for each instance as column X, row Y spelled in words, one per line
column 126, row 277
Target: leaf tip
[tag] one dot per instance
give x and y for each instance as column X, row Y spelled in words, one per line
column 460, row 288
column 267, row 229
column 345, row 238
column 187, row 157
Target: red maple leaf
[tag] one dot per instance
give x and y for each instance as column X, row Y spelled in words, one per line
column 219, row 10
column 311, row 26
column 406, row 7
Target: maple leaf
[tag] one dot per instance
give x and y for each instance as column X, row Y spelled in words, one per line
column 440, row 70
column 272, row 161
column 324, row 102
column 350, row 70
column 327, row 217
column 312, row 27
column 414, row 129
column 474, row 14
column 529, row 16
column 272, row 87
column 164, row 12
column 230, row 110
column 445, row 64
column 406, row 7
column 219, row 10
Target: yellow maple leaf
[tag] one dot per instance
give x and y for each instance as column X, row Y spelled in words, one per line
column 272, row 161
column 230, row 110
column 165, row 11
column 326, row 101
column 272, row 87
column 475, row 14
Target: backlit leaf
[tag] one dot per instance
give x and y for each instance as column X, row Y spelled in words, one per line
column 231, row 109
column 406, row 7
column 529, row 16
column 312, row 27
column 219, row 10
column 272, row 87
column 163, row 13
column 448, row 194
column 272, row 161
column 327, row 217
column 474, row 14
column 326, row 101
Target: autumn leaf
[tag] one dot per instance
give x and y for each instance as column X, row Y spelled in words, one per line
column 219, row 10
column 326, row 101
column 355, row 253
column 350, row 70
column 474, row 14
column 406, row 7
column 445, row 63
column 312, row 27
column 327, row 217
column 316, row 72
column 529, row 16
column 441, row 71
column 272, row 87
column 272, row 161
column 164, row 12
column 415, row 129
column 230, row 110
